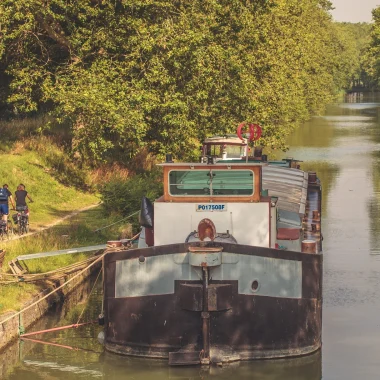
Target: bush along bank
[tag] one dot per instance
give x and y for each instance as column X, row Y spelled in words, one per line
column 124, row 196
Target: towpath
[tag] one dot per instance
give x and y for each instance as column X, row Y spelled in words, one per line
column 56, row 222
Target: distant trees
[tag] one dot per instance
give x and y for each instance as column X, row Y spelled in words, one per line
column 160, row 75
column 357, row 40
column 371, row 61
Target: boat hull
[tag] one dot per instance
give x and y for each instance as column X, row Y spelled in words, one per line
column 259, row 303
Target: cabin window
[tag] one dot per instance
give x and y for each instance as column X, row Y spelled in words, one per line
column 232, row 151
column 235, row 151
column 211, row 182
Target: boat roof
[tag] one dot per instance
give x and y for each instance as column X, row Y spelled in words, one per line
column 288, row 185
column 227, row 139
column 216, row 164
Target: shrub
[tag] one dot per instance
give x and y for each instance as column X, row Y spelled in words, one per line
column 124, row 196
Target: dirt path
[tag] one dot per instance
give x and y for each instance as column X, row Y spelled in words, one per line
column 50, row 225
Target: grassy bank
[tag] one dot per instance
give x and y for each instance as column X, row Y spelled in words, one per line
column 74, row 232
column 59, row 186
column 52, row 199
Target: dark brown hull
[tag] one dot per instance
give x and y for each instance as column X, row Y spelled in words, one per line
column 241, row 326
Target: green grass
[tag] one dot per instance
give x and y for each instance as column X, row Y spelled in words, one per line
column 74, row 232
column 52, row 199
column 59, row 186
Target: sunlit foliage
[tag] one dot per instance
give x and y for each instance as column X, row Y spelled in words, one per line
column 372, row 58
column 126, row 75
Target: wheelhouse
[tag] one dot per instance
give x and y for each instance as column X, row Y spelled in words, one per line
column 212, row 182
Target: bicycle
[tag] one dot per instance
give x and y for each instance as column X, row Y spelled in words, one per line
column 6, row 228
column 22, row 219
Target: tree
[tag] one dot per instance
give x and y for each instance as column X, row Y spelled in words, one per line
column 163, row 74
column 371, row 60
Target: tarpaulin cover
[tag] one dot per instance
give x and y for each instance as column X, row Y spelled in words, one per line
column 146, row 213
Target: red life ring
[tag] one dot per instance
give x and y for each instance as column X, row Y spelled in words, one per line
column 254, row 131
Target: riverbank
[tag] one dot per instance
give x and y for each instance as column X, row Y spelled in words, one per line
column 78, row 231
column 81, row 229
column 13, row 324
column 82, row 297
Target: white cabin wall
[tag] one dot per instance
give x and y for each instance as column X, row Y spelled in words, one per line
column 249, row 223
column 273, row 216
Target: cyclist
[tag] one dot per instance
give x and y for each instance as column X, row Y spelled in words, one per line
column 20, row 195
column 5, row 197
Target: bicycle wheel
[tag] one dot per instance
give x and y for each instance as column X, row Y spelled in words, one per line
column 25, row 228
column 3, row 233
column 10, row 230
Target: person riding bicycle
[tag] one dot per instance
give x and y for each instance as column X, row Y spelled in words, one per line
column 5, row 197
column 20, row 196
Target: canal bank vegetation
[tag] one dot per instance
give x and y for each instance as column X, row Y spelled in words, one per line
column 363, row 40
column 54, row 198
column 357, row 41
column 81, row 230
column 372, row 56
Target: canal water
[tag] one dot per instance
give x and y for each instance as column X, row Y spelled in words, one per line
column 344, row 147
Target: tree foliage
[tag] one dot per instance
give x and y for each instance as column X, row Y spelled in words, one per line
column 124, row 196
column 356, row 38
column 371, row 61
column 127, row 75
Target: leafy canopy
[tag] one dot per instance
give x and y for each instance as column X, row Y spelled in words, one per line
column 126, row 75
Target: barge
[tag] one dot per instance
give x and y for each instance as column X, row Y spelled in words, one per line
column 228, row 265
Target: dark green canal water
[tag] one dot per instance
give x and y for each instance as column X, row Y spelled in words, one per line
column 344, row 147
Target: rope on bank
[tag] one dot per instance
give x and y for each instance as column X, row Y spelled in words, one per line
column 109, row 225
column 56, row 272
column 55, row 290
column 11, row 278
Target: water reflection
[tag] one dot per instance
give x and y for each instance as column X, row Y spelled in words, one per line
column 109, row 366
column 80, row 356
column 308, row 367
column 373, row 203
column 347, row 150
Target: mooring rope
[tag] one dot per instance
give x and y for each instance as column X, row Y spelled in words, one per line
column 109, row 225
column 58, row 345
column 58, row 328
column 55, row 272
column 34, row 277
column 84, row 307
column 11, row 278
column 53, row 291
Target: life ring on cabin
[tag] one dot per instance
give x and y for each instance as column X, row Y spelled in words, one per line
column 254, row 131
